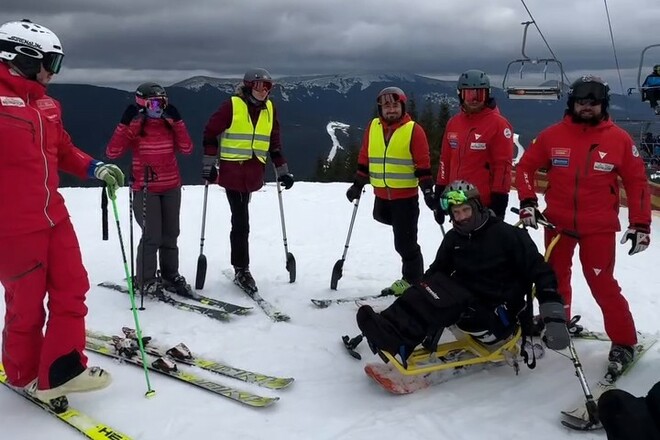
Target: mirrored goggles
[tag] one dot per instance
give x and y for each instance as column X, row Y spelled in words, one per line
column 453, row 198
column 153, row 104
column 262, row 86
column 472, row 95
column 52, row 62
column 388, row 98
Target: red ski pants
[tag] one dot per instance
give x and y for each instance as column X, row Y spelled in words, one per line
column 597, row 255
column 32, row 265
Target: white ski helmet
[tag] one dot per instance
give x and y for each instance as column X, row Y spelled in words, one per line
column 29, row 46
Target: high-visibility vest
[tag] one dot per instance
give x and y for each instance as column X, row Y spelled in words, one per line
column 242, row 139
column 391, row 165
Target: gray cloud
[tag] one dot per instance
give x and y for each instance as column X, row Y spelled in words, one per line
column 123, row 43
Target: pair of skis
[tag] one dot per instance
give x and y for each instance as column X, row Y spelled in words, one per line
column 268, row 308
column 164, row 361
column 76, row 419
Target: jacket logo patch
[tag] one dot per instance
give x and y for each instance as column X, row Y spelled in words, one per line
column 560, row 162
column 561, row 152
column 635, row 152
column 478, row 146
column 602, row 154
column 476, row 136
column 45, row 104
column 12, row 101
column 601, row 166
column 507, row 133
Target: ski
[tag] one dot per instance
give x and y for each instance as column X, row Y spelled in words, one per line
column 269, row 309
column 392, row 381
column 181, row 354
column 577, row 416
column 76, row 419
column 244, row 397
column 323, row 303
column 206, row 311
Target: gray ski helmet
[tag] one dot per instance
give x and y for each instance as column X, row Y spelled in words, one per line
column 256, row 74
column 473, row 79
column 589, row 87
column 397, row 94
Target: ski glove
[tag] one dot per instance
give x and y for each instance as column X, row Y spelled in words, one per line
column 639, row 235
column 111, row 175
column 439, row 216
column 354, row 192
column 530, row 214
column 129, row 114
column 399, row 286
column 286, row 180
column 554, row 317
column 209, row 168
column 429, row 197
column 498, row 202
column 172, row 113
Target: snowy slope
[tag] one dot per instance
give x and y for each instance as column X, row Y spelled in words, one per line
column 331, row 398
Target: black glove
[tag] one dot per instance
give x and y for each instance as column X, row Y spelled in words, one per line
column 129, row 114
column 498, row 202
column 209, row 169
column 439, row 216
column 530, row 214
column 429, row 197
column 286, row 180
column 172, row 113
column 554, row 317
column 354, row 191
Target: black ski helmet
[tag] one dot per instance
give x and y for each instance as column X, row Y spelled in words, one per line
column 149, row 90
column 589, row 87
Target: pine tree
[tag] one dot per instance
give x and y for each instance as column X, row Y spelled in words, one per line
column 411, row 107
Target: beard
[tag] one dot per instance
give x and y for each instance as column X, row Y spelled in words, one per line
column 588, row 117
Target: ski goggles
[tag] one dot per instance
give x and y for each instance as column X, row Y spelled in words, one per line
column 52, row 62
column 588, row 101
column 450, row 198
column 153, row 104
column 594, row 90
column 262, row 86
column 388, row 98
column 474, row 95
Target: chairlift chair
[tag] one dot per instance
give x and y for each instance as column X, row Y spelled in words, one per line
column 643, row 90
column 536, row 92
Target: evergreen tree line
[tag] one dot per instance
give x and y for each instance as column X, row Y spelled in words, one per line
column 342, row 167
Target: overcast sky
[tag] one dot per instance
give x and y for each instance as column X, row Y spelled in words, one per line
column 123, row 43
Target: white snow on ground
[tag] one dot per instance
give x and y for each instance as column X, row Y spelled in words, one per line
column 331, row 398
column 332, row 128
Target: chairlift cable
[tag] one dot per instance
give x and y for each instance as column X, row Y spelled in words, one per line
column 616, row 58
column 543, row 37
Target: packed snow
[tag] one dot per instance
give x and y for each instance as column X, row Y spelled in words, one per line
column 331, row 398
column 332, row 128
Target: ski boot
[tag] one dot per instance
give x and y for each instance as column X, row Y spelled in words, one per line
column 620, row 358
column 57, row 404
column 179, row 286
column 155, row 290
column 91, row 379
column 244, row 280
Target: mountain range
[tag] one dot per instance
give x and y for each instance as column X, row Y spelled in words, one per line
column 307, row 107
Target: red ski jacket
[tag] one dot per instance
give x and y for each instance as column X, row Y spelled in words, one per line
column 33, row 147
column 162, row 139
column 478, row 148
column 419, row 148
column 584, row 163
column 243, row 176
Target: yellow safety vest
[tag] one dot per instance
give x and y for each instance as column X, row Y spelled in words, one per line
column 391, row 165
column 242, row 139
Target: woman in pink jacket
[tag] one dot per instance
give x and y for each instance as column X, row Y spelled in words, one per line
column 154, row 132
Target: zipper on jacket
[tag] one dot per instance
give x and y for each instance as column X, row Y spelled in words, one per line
column 43, row 154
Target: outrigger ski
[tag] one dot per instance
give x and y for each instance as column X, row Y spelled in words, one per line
column 206, row 311
column 76, row 419
column 169, row 368
column 223, row 306
column 323, row 303
column 181, row 354
column 268, row 308
column 578, row 417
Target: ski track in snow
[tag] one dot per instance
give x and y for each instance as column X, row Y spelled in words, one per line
column 331, row 398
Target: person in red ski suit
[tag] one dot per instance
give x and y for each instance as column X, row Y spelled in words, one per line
column 39, row 251
column 154, row 132
column 477, row 145
column 585, row 154
column 237, row 139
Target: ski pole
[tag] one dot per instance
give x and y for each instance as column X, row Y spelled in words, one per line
column 150, row 391
column 104, row 214
column 200, row 275
column 591, row 405
column 290, row 260
column 130, row 223
column 337, row 269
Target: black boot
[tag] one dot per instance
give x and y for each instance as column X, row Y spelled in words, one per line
column 179, row 286
column 244, row 280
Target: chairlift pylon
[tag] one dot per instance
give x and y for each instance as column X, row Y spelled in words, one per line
column 537, row 92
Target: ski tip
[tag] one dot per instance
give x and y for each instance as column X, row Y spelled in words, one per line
column 321, row 303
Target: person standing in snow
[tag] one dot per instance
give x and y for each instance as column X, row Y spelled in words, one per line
column 39, row 250
column 154, row 132
column 395, row 160
column 477, row 145
column 480, row 281
column 585, row 155
column 238, row 138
